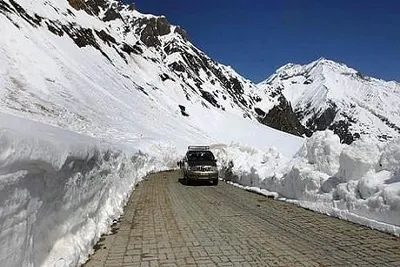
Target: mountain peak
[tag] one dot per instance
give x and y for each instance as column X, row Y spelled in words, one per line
column 318, row 65
column 326, row 94
column 331, row 63
column 322, row 59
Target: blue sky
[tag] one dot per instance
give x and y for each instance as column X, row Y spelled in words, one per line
column 258, row 36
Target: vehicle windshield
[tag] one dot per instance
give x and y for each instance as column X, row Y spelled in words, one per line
column 200, row 156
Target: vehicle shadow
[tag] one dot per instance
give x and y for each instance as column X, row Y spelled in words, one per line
column 195, row 183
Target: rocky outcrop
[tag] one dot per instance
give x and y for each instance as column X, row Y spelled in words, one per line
column 183, row 110
column 111, row 14
column 150, row 29
column 320, row 122
column 342, row 129
column 182, row 32
column 282, row 117
column 92, row 7
column 15, row 7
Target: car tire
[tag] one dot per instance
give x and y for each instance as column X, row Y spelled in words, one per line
column 215, row 182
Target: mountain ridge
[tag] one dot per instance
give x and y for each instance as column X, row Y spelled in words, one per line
column 329, row 95
column 149, row 55
column 128, row 40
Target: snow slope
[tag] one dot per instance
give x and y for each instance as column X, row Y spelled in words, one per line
column 50, row 78
column 329, row 95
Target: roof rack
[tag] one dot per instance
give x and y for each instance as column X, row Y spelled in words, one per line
column 202, row 148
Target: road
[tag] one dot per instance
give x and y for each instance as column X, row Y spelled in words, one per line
column 170, row 224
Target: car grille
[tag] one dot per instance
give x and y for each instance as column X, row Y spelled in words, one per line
column 202, row 168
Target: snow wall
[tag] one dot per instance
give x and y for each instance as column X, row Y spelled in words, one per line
column 358, row 182
column 60, row 191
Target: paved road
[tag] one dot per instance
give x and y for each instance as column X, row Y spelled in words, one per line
column 169, row 224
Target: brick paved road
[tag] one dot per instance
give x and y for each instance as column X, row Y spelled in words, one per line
column 170, row 224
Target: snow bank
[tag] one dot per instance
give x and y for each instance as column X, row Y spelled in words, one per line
column 59, row 191
column 360, row 182
column 247, row 165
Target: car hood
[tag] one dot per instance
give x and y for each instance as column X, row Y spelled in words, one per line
column 202, row 163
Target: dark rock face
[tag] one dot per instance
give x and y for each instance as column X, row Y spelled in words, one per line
column 54, row 28
column 210, row 98
column 148, row 37
column 165, row 77
column 232, row 84
column 282, row 117
column 153, row 28
column 163, row 26
column 106, row 37
column 182, row 33
column 341, row 128
column 5, row 8
column 136, row 49
column 111, row 14
column 132, row 7
column 260, row 112
column 176, row 67
column 83, row 37
column 92, row 7
column 183, row 111
column 77, row 4
column 323, row 121
column 199, row 61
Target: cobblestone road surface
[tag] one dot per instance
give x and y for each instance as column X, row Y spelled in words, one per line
column 169, row 224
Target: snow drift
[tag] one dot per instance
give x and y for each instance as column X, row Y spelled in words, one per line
column 359, row 182
column 59, row 191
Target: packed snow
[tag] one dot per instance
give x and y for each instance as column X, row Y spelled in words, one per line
column 59, row 190
column 358, row 182
column 79, row 131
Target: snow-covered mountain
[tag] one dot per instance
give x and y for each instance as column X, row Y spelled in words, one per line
column 329, row 95
column 73, row 52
